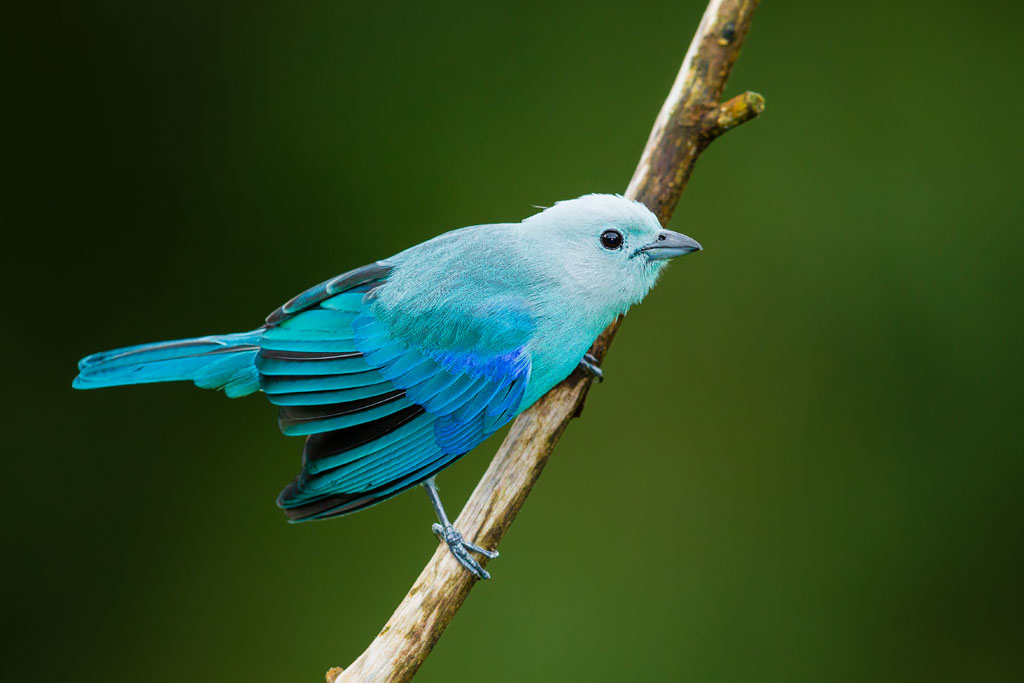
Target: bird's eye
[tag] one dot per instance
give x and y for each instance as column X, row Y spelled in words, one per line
column 611, row 239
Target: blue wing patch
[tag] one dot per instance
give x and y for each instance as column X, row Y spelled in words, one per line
column 380, row 415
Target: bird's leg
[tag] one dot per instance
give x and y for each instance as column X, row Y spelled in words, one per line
column 459, row 546
column 592, row 366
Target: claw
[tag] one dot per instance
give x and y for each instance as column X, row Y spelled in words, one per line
column 491, row 554
column 458, row 545
column 460, row 548
column 592, row 366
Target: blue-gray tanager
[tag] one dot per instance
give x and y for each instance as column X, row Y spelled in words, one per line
column 394, row 370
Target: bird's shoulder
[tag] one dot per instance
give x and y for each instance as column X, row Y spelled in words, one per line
column 466, row 289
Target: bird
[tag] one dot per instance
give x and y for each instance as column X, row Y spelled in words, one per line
column 395, row 370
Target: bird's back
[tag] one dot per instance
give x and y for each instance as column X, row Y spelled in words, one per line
column 491, row 288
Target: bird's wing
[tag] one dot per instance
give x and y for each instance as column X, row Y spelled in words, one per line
column 361, row 279
column 382, row 414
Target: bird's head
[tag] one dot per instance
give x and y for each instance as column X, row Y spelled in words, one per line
column 610, row 249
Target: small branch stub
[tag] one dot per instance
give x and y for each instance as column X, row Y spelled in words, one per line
column 732, row 113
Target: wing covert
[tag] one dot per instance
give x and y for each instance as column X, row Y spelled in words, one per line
column 381, row 410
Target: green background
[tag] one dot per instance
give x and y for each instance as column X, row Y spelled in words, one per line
column 805, row 464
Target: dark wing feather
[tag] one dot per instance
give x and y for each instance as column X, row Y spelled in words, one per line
column 369, row 274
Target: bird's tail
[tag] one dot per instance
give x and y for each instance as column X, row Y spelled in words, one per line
column 224, row 361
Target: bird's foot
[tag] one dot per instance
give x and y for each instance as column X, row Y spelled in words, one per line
column 460, row 548
column 592, row 366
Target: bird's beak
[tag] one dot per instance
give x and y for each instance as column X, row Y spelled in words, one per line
column 669, row 245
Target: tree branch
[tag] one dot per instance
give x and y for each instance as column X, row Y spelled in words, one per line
column 690, row 119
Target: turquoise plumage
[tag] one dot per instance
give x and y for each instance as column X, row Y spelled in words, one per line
column 394, row 370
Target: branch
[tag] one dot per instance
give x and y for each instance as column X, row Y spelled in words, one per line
column 689, row 120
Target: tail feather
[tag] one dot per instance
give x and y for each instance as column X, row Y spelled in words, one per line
column 215, row 362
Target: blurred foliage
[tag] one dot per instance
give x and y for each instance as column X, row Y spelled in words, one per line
column 805, row 464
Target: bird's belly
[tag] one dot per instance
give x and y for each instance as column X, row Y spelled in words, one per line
column 552, row 361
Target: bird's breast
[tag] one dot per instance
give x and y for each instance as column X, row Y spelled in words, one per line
column 556, row 350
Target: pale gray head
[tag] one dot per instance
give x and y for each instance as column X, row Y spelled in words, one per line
column 612, row 249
